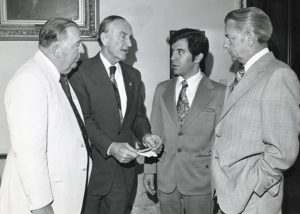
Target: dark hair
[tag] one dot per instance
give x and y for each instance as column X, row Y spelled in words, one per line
column 197, row 42
column 54, row 28
column 253, row 20
column 103, row 27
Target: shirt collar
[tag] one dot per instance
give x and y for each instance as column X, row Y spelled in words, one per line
column 107, row 64
column 192, row 80
column 256, row 57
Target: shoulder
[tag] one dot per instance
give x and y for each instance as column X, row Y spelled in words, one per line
column 129, row 67
column 135, row 73
column 280, row 70
column 87, row 63
column 29, row 73
column 164, row 86
column 165, row 83
column 86, row 68
column 216, row 85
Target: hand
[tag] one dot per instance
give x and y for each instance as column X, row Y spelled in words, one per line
column 148, row 181
column 154, row 142
column 44, row 210
column 123, row 152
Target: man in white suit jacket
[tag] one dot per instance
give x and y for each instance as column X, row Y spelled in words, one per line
column 257, row 133
column 46, row 167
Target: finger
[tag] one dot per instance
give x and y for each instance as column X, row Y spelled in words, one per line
column 149, row 189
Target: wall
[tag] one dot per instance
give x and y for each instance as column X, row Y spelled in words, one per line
column 151, row 22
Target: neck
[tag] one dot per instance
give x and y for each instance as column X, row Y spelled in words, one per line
column 112, row 60
column 47, row 52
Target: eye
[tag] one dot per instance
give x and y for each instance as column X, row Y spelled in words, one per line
column 123, row 36
column 180, row 52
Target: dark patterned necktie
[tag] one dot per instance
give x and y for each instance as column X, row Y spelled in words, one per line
column 112, row 71
column 239, row 75
column 182, row 106
column 65, row 85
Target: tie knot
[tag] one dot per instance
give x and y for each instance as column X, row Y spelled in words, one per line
column 63, row 78
column 184, row 84
column 112, row 70
column 240, row 74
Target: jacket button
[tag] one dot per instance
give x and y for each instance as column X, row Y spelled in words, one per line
column 179, row 150
column 82, row 145
column 180, row 133
column 218, row 135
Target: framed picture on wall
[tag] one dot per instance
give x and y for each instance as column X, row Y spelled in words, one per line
column 22, row 19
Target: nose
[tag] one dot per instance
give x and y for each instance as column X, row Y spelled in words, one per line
column 225, row 45
column 173, row 56
column 81, row 49
column 128, row 42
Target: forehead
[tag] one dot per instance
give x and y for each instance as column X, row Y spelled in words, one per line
column 72, row 33
column 118, row 26
column 230, row 28
column 180, row 44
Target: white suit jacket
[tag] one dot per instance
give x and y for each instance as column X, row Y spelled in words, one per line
column 47, row 162
column 257, row 135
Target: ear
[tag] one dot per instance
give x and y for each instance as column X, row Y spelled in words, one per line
column 104, row 38
column 251, row 38
column 56, row 50
column 198, row 58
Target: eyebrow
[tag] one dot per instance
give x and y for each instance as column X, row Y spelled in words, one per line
column 123, row 32
column 78, row 42
column 177, row 49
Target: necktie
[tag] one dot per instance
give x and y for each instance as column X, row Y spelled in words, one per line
column 239, row 75
column 112, row 70
column 65, row 85
column 182, row 106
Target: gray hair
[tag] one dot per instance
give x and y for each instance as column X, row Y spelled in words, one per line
column 253, row 20
column 53, row 29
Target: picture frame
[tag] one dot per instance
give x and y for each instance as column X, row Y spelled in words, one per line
column 22, row 19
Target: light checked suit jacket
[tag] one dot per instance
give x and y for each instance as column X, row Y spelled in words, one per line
column 257, row 135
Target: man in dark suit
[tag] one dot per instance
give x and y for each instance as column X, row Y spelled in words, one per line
column 109, row 92
column 187, row 128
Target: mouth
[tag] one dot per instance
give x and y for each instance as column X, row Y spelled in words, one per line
column 125, row 51
column 175, row 66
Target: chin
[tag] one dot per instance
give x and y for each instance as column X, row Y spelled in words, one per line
column 123, row 57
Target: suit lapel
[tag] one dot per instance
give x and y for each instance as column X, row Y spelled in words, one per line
column 105, row 85
column 202, row 98
column 250, row 78
column 169, row 99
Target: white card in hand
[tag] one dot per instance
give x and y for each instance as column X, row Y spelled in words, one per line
column 148, row 154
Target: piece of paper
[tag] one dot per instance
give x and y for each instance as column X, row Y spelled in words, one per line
column 148, row 154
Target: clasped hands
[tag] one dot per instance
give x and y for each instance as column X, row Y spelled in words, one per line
column 125, row 153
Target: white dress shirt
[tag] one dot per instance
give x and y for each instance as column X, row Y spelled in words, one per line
column 119, row 80
column 192, row 82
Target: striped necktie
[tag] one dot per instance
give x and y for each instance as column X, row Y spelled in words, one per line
column 112, row 70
